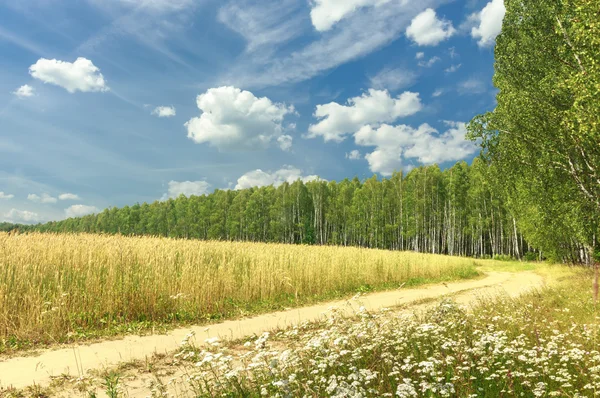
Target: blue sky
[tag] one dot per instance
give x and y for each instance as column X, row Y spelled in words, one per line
column 111, row 102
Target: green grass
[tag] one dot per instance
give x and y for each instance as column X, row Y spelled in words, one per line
column 542, row 344
column 508, row 266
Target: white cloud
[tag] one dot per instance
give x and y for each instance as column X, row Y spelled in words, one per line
column 374, row 107
column 164, row 111
column 453, row 68
column 437, row 93
column 265, row 23
column 45, row 198
column 151, row 23
column 420, row 55
column 472, row 86
column 259, row 178
column 430, row 62
column 358, row 34
column 393, row 79
column 427, row 30
column 285, row 142
column 68, row 196
column 326, row 13
column 353, row 155
column 24, row 91
column 488, row 23
column 233, row 119
column 81, row 75
column 394, row 144
column 6, row 196
column 385, row 161
column 80, row 211
column 187, row 188
column 21, row 216
column 156, row 5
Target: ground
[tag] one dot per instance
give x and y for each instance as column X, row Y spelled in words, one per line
column 137, row 365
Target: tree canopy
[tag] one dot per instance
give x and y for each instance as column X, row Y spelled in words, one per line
column 543, row 137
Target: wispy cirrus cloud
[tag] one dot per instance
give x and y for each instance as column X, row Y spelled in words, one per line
column 266, row 23
column 345, row 41
column 393, row 79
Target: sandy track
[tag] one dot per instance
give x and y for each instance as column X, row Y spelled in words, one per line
column 20, row 372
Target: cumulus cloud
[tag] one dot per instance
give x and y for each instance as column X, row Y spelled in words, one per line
column 24, row 91
column 80, row 211
column 393, row 79
column 164, row 111
column 285, row 142
column 81, row 75
column 326, row 13
column 233, row 119
column 187, row 188
column 259, row 178
column 437, row 93
column 488, row 23
column 427, row 30
column 394, row 144
column 353, row 155
column 45, row 198
column 68, row 196
column 420, row 55
column 21, row 216
column 6, row 196
column 373, row 107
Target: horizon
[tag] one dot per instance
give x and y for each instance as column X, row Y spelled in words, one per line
column 111, row 103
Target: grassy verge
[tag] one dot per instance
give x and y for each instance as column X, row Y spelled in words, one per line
column 58, row 289
column 543, row 344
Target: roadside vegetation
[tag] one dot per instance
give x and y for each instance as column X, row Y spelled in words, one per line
column 57, row 288
column 534, row 193
column 542, row 344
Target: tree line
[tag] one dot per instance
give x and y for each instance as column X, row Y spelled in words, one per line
column 456, row 211
column 534, row 192
column 543, row 137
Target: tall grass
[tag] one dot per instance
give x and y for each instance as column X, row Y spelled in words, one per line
column 63, row 287
column 542, row 344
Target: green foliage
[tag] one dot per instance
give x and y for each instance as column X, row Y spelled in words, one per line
column 542, row 138
column 458, row 211
column 542, row 344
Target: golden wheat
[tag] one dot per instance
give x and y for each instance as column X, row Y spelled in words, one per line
column 54, row 286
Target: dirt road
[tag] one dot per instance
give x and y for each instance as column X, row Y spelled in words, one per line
column 20, row 372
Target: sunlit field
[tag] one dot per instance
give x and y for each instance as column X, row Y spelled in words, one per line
column 543, row 344
column 61, row 288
